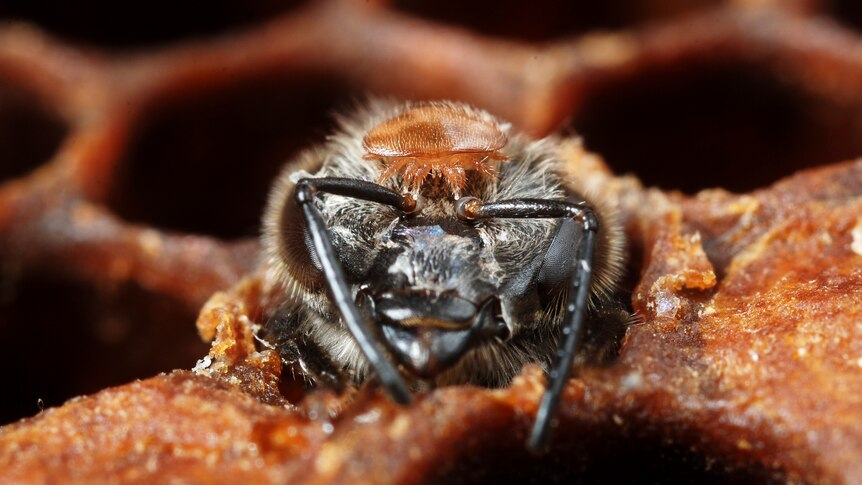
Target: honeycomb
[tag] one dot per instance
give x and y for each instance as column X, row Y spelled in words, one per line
column 138, row 143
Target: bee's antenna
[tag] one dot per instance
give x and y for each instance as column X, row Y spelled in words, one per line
column 472, row 209
column 366, row 339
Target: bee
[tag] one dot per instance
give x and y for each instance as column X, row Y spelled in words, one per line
column 430, row 243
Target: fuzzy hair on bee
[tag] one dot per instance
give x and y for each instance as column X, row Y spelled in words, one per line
column 433, row 243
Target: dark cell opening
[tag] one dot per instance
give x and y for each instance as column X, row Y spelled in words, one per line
column 848, row 12
column 546, row 19
column 29, row 134
column 110, row 24
column 205, row 164
column 699, row 126
column 607, row 458
column 63, row 339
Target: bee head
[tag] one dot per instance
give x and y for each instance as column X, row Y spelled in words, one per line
column 434, row 294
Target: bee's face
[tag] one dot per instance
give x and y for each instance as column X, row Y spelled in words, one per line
column 436, row 286
column 452, row 300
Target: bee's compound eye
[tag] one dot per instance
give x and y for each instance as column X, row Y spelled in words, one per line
column 557, row 267
column 287, row 240
column 309, row 247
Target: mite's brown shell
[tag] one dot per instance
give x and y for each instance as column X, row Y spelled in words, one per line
column 441, row 138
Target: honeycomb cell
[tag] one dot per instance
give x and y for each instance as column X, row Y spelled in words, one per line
column 29, row 133
column 205, row 164
column 141, row 24
column 623, row 458
column 546, row 19
column 697, row 126
column 63, row 339
column 848, row 12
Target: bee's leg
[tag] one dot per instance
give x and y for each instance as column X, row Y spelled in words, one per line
column 472, row 209
column 305, row 191
column 299, row 353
